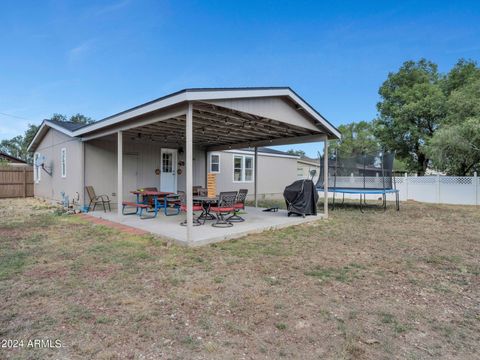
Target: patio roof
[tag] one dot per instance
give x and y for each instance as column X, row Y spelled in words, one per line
column 223, row 118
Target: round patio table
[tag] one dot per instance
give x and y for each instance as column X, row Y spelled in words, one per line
column 207, row 202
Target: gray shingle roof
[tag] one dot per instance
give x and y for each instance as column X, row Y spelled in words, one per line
column 70, row 126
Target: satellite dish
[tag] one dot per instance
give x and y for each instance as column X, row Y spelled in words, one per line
column 41, row 159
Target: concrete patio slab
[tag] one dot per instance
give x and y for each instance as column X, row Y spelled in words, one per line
column 169, row 227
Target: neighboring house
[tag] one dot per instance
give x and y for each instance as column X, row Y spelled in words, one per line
column 305, row 166
column 235, row 170
column 160, row 142
column 11, row 160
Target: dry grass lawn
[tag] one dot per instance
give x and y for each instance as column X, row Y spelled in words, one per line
column 375, row 285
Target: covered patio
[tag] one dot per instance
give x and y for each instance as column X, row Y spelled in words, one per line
column 256, row 220
column 195, row 122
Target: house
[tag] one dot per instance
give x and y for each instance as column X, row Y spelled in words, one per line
column 234, row 170
column 308, row 168
column 12, row 160
column 165, row 142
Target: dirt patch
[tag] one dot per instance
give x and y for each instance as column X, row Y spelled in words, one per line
column 360, row 286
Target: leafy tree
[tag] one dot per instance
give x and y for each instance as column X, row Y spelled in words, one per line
column 76, row 119
column 81, row 119
column 463, row 73
column 17, row 146
column 357, row 138
column 455, row 148
column 411, row 109
column 464, row 103
column 59, row 117
column 296, row 152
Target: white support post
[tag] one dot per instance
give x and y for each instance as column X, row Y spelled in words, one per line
column 438, row 188
column 325, row 177
column 475, row 187
column 119, row 172
column 255, row 171
column 189, row 170
column 406, row 187
column 82, row 199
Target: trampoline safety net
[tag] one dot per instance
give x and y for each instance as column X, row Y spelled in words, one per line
column 365, row 171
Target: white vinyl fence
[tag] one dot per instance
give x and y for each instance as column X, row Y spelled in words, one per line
column 461, row 190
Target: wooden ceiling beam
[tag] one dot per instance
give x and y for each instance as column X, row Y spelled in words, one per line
column 262, row 121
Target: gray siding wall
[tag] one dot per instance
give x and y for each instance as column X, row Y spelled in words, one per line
column 274, row 174
column 101, row 165
column 51, row 186
column 303, row 171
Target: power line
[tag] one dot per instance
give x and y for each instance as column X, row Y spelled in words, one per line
column 14, row 116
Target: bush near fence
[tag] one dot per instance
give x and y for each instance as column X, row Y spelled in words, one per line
column 16, row 181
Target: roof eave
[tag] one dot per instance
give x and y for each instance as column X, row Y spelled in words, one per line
column 204, row 94
column 41, row 132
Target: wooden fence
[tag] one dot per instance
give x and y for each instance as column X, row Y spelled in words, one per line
column 16, row 181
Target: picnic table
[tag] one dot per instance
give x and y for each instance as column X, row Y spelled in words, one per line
column 161, row 200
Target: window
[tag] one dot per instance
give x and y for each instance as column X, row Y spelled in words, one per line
column 299, row 172
column 36, row 168
column 214, row 163
column 242, row 168
column 63, row 162
column 248, row 161
column 167, row 162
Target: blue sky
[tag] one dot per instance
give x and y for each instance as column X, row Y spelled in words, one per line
column 101, row 57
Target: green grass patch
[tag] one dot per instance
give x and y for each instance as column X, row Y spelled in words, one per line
column 390, row 319
column 12, row 263
column 76, row 313
column 218, row 279
column 343, row 274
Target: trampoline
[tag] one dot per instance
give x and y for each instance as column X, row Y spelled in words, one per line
column 360, row 175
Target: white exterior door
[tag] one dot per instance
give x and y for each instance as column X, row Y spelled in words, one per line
column 168, row 168
column 130, row 176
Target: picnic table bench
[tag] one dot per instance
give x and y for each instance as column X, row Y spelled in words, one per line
column 138, row 207
column 161, row 200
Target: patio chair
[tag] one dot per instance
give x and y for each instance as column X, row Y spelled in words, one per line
column 239, row 205
column 100, row 199
column 199, row 191
column 202, row 192
column 183, row 207
column 225, row 206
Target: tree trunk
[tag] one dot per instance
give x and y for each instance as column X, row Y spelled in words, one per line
column 421, row 164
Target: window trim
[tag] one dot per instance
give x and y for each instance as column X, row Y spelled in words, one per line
column 36, row 169
column 243, row 157
column 210, row 159
column 63, row 162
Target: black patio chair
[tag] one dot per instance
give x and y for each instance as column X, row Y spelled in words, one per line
column 239, row 205
column 183, row 207
column 225, row 206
